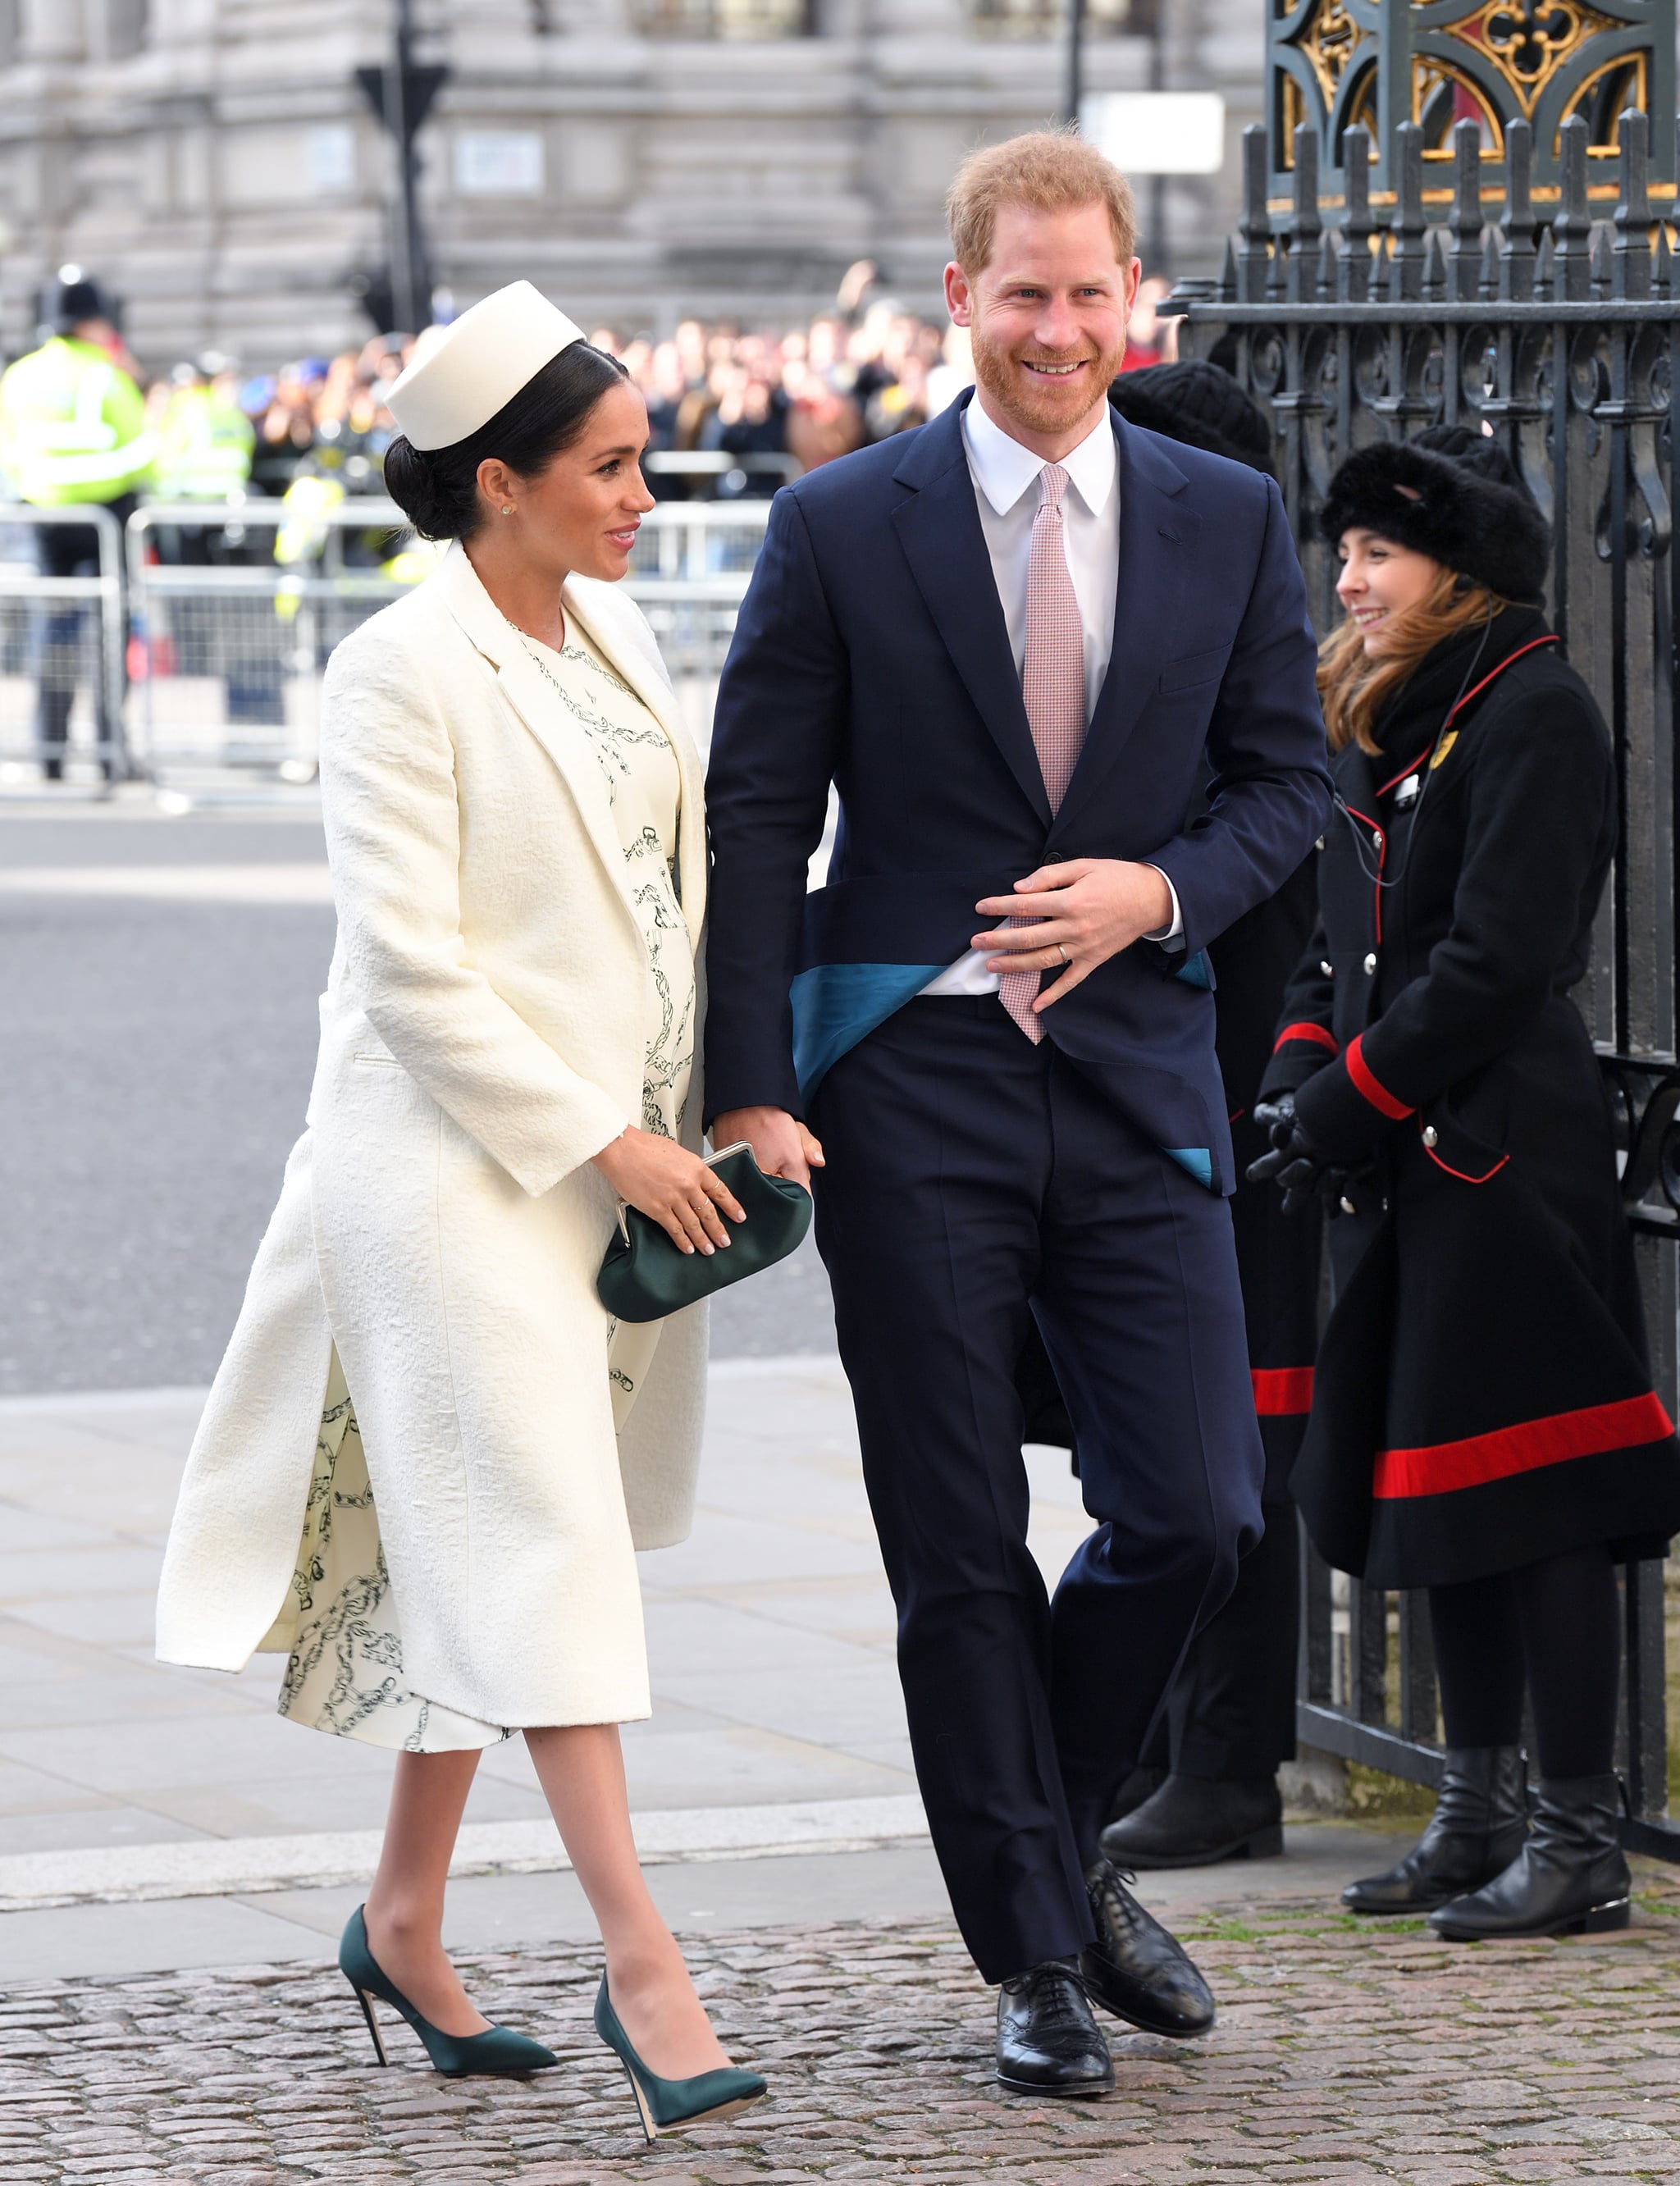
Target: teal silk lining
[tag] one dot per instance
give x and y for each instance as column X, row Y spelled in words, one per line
column 1196, row 1159
column 835, row 1005
column 1196, row 971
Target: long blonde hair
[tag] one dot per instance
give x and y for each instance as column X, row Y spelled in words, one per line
column 1353, row 689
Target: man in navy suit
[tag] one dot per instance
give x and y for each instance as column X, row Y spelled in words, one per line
column 1008, row 639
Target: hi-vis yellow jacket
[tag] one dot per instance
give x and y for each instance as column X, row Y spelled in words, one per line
column 72, row 426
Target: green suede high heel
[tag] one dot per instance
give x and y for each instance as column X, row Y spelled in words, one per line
column 663, row 2103
column 498, row 2050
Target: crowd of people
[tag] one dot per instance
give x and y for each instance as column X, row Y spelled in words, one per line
column 853, row 374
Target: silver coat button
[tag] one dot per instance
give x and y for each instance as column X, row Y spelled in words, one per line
column 1370, row 961
column 1326, row 967
column 1347, row 1206
column 1432, row 1136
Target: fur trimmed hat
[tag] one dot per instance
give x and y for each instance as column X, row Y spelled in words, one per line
column 1453, row 495
column 1197, row 403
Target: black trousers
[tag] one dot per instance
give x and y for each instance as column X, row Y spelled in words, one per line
column 1552, row 1628
column 61, row 638
column 1230, row 1716
column 972, row 1179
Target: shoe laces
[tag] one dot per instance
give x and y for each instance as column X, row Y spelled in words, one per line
column 1052, row 1971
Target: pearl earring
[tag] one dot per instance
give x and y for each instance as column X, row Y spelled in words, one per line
column 507, row 508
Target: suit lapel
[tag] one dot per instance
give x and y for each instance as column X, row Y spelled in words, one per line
column 938, row 528
column 1157, row 540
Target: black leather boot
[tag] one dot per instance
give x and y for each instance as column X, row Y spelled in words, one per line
column 1191, row 1823
column 1476, row 1831
column 1569, row 1879
column 1049, row 2043
column 1142, row 1784
column 1136, row 1969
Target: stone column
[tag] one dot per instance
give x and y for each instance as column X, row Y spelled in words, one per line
column 53, row 30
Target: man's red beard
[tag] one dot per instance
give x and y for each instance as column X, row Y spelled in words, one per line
column 1041, row 406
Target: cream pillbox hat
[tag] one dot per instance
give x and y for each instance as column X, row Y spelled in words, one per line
column 463, row 373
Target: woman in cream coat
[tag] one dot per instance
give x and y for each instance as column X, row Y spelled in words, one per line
column 429, row 1456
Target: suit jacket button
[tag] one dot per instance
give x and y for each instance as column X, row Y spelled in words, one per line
column 1054, row 858
column 1432, row 1136
column 1327, row 967
column 1370, row 961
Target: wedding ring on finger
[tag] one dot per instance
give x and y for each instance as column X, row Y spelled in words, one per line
column 1062, row 951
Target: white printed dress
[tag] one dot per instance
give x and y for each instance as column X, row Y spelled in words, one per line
column 345, row 1674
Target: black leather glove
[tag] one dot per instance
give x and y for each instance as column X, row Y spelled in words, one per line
column 1302, row 1170
column 1276, row 1115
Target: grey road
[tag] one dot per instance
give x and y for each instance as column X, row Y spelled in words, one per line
column 157, row 1034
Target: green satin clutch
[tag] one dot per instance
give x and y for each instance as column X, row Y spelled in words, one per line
column 644, row 1276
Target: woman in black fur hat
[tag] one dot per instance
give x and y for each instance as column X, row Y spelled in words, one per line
column 1483, row 1422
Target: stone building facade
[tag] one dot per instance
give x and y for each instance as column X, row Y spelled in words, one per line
column 640, row 160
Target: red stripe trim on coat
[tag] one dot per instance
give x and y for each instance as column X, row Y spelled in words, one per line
column 1448, row 1466
column 1316, row 1032
column 1282, row 1391
column 1366, row 1082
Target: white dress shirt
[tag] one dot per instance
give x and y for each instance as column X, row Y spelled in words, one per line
column 1006, row 478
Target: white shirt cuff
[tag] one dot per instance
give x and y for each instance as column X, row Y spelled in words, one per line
column 1173, row 935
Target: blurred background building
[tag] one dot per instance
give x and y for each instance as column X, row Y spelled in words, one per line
column 642, row 161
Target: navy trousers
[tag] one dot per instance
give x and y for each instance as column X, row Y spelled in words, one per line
column 972, row 1179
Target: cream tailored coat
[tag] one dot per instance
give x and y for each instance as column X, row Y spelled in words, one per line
column 483, row 1034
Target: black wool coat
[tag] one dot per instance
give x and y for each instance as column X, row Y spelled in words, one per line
column 1482, row 1396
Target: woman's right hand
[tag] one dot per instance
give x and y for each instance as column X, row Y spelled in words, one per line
column 672, row 1187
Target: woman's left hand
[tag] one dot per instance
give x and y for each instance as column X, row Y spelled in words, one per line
column 1086, row 910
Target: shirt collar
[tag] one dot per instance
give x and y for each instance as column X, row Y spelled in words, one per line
column 1003, row 469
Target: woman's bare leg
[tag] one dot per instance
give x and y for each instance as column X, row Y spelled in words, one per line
column 582, row 1771
column 405, row 1900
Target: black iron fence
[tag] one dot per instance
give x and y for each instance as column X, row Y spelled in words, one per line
column 1361, row 317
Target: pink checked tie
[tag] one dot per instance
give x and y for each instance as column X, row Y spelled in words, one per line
column 1053, row 684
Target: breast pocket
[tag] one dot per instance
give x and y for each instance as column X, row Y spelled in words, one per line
column 1190, row 669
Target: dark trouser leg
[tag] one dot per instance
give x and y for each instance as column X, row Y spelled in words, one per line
column 968, row 1172
column 936, row 1135
column 66, row 550
column 1232, row 1709
column 56, row 651
column 1142, row 1316
column 1478, row 1656
column 1571, row 1617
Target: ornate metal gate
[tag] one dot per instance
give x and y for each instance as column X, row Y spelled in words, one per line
column 1547, row 310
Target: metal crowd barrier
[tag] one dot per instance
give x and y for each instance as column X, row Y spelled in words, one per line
column 61, row 644
column 229, row 644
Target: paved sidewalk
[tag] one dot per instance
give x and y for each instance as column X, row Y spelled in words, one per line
column 1342, row 2053
column 152, row 1818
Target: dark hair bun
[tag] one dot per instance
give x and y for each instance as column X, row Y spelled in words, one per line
column 410, row 482
column 437, row 488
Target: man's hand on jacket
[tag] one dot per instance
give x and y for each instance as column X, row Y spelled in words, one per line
column 780, row 1144
column 1088, row 909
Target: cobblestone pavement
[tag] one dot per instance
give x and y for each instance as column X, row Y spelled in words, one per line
column 1345, row 2052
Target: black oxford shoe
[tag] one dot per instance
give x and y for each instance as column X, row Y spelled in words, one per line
column 1049, row 2044
column 1135, row 1969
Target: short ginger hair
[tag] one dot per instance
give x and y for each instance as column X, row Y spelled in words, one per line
column 1046, row 170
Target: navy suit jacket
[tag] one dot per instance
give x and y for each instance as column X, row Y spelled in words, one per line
column 871, row 652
